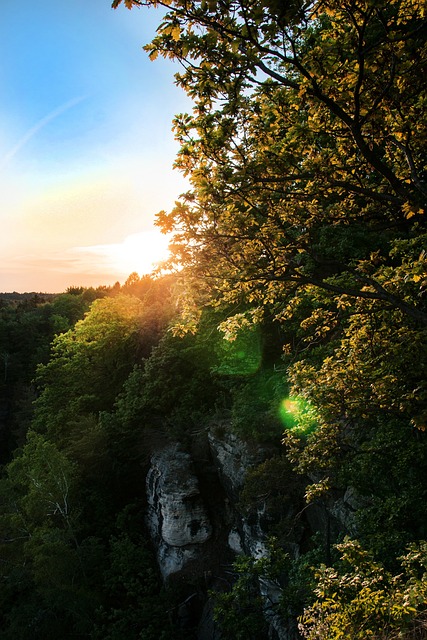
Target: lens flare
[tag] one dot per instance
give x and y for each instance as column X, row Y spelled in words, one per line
column 241, row 356
column 297, row 414
column 288, row 412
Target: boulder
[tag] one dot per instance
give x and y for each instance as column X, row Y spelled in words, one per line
column 176, row 517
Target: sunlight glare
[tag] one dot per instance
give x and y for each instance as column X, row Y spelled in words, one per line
column 139, row 252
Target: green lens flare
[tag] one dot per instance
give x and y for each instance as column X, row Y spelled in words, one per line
column 241, row 356
column 297, row 414
column 288, row 412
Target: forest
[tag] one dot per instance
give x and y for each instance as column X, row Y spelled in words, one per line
column 287, row 331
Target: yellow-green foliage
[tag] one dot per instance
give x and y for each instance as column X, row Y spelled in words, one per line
column 362, row 600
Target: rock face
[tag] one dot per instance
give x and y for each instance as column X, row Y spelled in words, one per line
column 198, row 526
column 177, row 517
column 186, row 539
column 233, row 459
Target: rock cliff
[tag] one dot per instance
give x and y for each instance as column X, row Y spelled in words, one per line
column 177, row 518
column 198, row 525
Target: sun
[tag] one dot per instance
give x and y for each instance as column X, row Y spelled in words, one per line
column 140, row 252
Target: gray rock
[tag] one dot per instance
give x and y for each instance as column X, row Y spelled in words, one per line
column 234, row 458
column 177, row 517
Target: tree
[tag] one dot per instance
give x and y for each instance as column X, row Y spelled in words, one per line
column 305, row 149
column 43, row 562
column 27, row 328
column 136, row 606
column 89, row 363
column 305, row 152
column 362, row 600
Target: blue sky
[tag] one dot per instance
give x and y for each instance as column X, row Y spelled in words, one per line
column 86, row 147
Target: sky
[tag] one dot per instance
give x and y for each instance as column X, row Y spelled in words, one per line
column 86, row 144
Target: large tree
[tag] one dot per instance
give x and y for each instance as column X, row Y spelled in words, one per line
column 305, row 149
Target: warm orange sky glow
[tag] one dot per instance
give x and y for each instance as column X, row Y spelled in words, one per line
column 86, row 147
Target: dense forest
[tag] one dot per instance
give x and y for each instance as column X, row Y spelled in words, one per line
column 289, row 329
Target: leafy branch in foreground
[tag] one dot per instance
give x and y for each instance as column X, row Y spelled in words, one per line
column 305, row 148
column 363, row 600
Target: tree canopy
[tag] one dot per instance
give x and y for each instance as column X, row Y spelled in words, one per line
column 305, row 148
